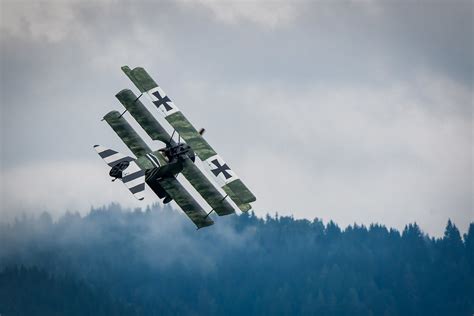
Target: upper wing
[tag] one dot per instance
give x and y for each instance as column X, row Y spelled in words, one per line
column 187, row 203
column 190, row 171
column 131, row 174
column 218, row 168
column 146, row 120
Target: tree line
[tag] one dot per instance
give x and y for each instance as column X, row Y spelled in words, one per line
column 154, row 262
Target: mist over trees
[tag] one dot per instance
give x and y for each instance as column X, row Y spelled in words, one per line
column 154, row 262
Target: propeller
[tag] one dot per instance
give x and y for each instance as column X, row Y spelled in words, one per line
column 173, row 149
column 171, row 143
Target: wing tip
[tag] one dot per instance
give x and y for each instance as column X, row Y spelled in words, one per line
column 138, row 68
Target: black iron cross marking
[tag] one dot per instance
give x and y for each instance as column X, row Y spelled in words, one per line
column 220, row 169
column 162, row 101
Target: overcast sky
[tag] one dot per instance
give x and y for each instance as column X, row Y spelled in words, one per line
column 356, row 111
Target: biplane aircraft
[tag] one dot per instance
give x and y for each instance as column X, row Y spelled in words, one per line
column 159, row 168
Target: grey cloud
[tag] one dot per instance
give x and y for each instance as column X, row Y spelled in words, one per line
column 365, row 108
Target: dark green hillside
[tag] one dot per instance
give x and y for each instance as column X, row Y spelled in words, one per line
column 155, row 263
column 31, row 291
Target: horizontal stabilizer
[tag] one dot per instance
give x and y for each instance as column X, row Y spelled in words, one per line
column 124, row 168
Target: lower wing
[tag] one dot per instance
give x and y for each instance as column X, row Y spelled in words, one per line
column 186, row 202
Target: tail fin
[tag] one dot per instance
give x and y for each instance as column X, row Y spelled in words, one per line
column 124, row 168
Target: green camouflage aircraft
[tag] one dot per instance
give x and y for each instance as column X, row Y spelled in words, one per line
column 159, row 168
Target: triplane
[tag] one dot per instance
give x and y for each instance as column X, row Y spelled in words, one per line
column 159, row 168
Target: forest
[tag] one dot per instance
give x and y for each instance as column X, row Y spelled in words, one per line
column 114, row 261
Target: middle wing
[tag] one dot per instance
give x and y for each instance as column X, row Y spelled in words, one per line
column 190, row 171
